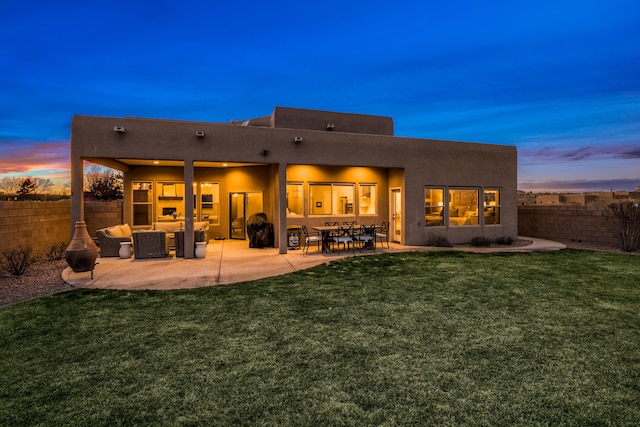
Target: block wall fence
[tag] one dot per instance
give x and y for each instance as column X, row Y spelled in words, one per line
column 37, row 224
column 571, row 223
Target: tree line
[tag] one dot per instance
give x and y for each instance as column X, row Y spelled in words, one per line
column 99, row 184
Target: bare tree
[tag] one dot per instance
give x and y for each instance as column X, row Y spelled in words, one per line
column 103, row 184
column 626, row 216
column 43, row 185
column 10, row 184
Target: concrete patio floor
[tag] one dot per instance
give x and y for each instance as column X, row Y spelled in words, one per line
column 232, row 261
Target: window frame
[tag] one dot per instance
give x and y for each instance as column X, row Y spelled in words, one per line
column 149, row 203
column 373, row 198
column 301, row 190
column 333, row 195
column 497, row 206
column 473, row 220
column 428, row 208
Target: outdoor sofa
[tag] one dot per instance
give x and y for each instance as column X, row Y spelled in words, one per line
column 109, row 239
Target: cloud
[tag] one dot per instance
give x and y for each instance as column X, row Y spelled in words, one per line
column 581, row 185
column 633, row 153
column 45, row 158
column 574, row 154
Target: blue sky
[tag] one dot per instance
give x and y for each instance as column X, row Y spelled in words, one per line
column 560, row 80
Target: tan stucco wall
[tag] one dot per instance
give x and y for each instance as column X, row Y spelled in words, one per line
column 409, row 163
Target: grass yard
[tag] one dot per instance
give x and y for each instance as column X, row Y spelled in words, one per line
column 435, row 338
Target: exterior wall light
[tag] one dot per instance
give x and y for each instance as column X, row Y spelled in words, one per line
column 329, row 126
column 118, row 129
column 200, row 133
column 265, row 152
column 297, row 139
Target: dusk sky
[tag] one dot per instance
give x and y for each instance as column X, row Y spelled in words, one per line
column 558, row 79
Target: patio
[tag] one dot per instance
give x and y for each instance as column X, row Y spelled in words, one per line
column 232, row 261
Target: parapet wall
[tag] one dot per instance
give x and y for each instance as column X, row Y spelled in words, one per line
column 587, row 224
column 37, row 224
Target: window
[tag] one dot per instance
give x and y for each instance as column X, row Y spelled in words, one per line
column 463, row 207
column 433, row 206
column 331, row 199
column 294, row 199
column 210, row 202
column 170, row 199
column 491, row 206
column 367, row 200
column 142, row 202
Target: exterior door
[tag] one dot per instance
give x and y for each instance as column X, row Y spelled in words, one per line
column 237, row 217
column 241, row 206
column 395, row 228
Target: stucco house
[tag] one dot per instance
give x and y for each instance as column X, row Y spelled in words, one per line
column 301, row 167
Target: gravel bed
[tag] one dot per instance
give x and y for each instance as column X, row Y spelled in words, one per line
column 42, row 278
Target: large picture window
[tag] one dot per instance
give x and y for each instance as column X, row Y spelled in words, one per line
column 367, row 200
column 434, row 206
column 463, row 207
column 331, row 199
column 294, row 199
column 492, row 206
column 142, row 202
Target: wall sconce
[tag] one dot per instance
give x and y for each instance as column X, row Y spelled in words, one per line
column 118, row 129
column 297, row 139
column 265, row 152
column 329, row 126
column 200, row 133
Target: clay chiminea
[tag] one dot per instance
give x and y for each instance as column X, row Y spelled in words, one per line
column 81, row 253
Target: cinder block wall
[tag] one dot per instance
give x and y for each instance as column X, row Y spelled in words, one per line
column 100, row 214
column 34, row 224
column 37, row 224
column 568, row 223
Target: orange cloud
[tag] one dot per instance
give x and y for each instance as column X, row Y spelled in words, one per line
column 23, row 157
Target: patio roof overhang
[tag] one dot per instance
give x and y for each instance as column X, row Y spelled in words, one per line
column 125, row 164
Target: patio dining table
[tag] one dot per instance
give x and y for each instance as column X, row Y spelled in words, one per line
column 326, row 230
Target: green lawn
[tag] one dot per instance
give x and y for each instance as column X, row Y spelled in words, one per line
column 439, row 338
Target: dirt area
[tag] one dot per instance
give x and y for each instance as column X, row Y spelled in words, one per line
column 42, row 278
column 602, row 248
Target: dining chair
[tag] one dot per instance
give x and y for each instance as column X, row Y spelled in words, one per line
column 310, row 238
column 383, row 234
column 366, row 237
column 344, row 235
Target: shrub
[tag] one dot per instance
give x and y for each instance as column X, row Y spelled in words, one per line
column 626, row 217
column 480, row 241
column 504, row 240
column 440, row 241
column 17, row 260
column 55, row 251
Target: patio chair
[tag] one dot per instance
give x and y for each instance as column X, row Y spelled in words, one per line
column 331, row 223
column 366, row 237
column 310, row 238
column 383, row 234
column 344, row 235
